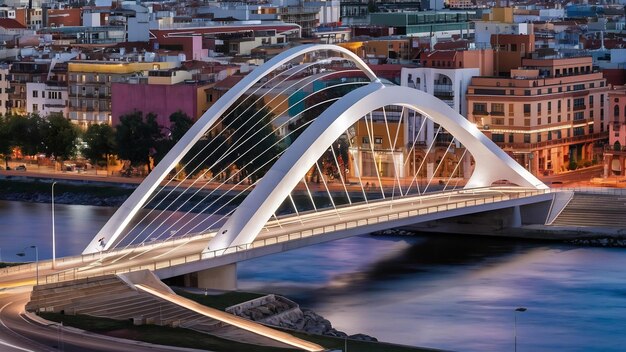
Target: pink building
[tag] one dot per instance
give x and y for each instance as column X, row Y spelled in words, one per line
column 162, row 93
column 615, row 153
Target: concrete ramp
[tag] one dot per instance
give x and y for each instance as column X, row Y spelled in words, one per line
column 147, row 282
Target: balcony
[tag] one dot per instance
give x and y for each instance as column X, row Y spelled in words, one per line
column 497, row 113
column 580, row 107
column 554, row 142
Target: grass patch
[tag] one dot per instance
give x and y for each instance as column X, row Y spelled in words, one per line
column 155, row 334
column 220, row 301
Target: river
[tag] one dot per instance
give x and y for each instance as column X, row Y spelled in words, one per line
column 441, row 291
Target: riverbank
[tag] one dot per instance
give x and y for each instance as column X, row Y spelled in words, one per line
column 581, row 236
column 38, row 190
column 180, row 337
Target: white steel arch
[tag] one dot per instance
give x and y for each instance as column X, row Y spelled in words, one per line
column 110, row 232
column 492, row 163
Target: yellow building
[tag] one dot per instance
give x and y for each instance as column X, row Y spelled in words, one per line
column 90, row 86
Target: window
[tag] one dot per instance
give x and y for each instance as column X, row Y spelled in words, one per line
column 539, row 121
column 378, row 140
column 579, row 103
column 511, row 138
column 497, row 137
column 480, row 108
column 602, row 114
column 579, row 115
column 538, row 108
column 538, row 137
column 579, row 86
column 526, row 122
column 511, row 109
column 35, row 107
column 558, row 106
column 511, row 122
column 549, row 90
column 526, row 109
column 497, row 121
column 366, row 140
column 35, row 94
column 601, row 99
column 527, row 92
column 579, row 131
column 549, row 107
column 591, row 101
column 616, row 111
column 526, row 137
column 497, row 109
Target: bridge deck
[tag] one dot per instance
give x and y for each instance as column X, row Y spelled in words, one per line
column 357, row 219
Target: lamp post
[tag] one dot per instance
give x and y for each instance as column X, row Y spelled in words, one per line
column 54, row 253
column 23, row 253
column 520, row 309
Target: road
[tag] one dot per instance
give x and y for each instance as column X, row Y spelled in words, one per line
column 18, row 334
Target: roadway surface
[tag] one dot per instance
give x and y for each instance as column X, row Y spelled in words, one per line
column 19, row 334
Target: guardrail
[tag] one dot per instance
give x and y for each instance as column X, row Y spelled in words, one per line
column 74, row 273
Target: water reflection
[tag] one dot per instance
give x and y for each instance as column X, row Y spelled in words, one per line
column 457, row 292
column 449, row 292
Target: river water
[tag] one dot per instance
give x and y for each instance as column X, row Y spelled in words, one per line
column 441, row 291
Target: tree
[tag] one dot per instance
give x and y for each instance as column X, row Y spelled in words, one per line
column 137, row 139
column 252, row 134
column 27, row 133
column 59, row 137
column 6, row 143
column 180, row 123
column 100, row 140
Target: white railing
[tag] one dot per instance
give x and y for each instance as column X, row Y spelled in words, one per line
column 73, row 274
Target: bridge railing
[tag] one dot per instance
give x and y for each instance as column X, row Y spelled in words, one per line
column 391, row 215
column 594, row 190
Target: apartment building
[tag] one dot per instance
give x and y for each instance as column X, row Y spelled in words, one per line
column 615, row 151
column 21, row 73
column 549, row 114
column 89, row 84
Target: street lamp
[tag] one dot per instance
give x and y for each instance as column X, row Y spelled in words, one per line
column 520, row 309
column 23, row 253
column 54, row 253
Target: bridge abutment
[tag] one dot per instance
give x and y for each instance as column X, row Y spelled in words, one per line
column 221, row 278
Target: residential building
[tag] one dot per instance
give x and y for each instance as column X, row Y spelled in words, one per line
column 549, row 114
column 615, row 152
column 5, row 85
column 23, row 72
column 162, row 93
column 90, row 83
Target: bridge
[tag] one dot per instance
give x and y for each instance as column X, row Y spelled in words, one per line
column 310, row 147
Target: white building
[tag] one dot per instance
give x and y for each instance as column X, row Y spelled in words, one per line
column 5, row 85
column 449, row 85
column 483, row 30
column 46, row 98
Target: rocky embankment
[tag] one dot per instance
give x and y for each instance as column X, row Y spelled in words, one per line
column 281, row 312
column 65, row 198
column 601, row 242
column 394, row 232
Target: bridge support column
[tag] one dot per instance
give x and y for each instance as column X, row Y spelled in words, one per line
column 516, row 218
column 220, row 278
